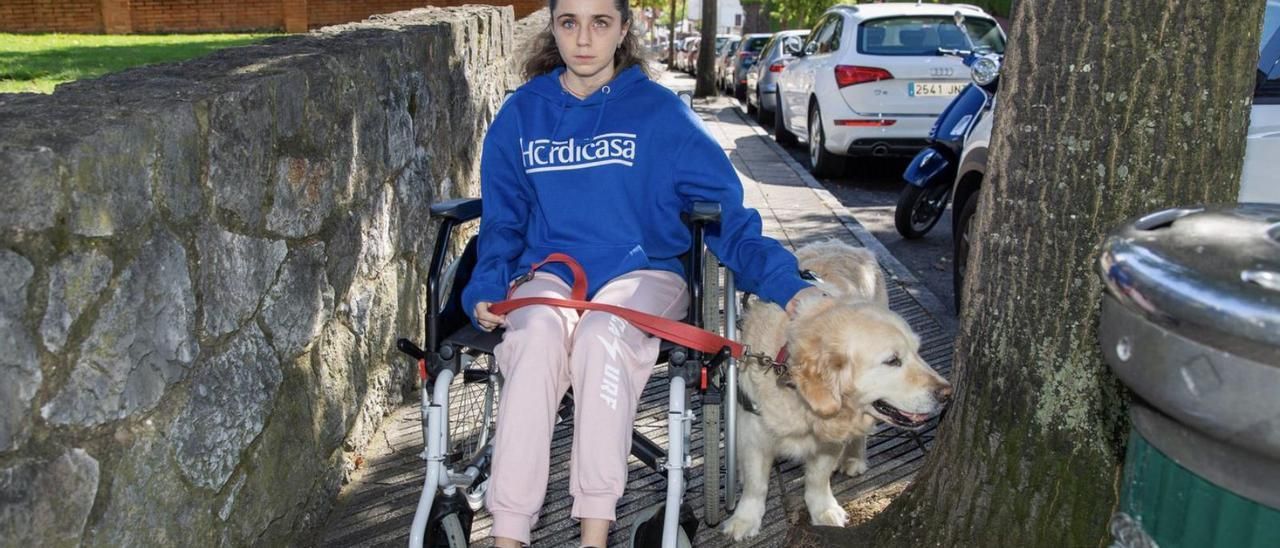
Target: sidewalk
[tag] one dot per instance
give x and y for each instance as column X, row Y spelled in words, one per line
column 377, row 507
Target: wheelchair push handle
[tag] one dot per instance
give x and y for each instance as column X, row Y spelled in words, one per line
column 705, row 212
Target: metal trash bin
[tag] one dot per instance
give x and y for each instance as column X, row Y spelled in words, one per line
column 1191, row 324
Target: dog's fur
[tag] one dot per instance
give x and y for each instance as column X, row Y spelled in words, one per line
column 842, row 360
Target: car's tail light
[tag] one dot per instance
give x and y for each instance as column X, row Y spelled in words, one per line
column 776, row 67
column 849, row 75
column 878, row 122
column 744, row 55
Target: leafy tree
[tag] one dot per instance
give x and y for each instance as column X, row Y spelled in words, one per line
column 1095, row 125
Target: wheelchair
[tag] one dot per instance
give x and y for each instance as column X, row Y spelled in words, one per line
column 461, row 384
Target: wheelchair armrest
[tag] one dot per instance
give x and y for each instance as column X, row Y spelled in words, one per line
column 458, row 210
column 705, row 212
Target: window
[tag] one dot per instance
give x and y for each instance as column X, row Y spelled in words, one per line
column 926, row 35
column 833, row 43
column 754, row 45
column 1267, row 89
column 821, row 35
column 769, row 45
column 737, row 19
column 1270, row 22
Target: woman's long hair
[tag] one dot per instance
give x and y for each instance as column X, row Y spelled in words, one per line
column 546, row 56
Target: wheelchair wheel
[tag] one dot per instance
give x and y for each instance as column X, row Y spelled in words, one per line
column 473, row 410
column 450, row 523
column 713, row 320
column 646, row 531
column 446, row 533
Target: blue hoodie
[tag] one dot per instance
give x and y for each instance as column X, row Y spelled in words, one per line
column 604, row 180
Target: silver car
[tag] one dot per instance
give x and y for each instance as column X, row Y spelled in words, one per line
column 762, row 77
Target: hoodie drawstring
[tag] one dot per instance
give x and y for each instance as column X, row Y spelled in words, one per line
column 564, row 108
column 595, row 131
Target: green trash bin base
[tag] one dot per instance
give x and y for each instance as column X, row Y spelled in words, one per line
column 1175, row 507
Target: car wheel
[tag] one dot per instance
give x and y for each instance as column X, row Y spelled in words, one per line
column 739, row 91
column 763, row 116
column 780, row 132
column 821, row 162
column 919, row 209
column 752, row 108
column 964, row 238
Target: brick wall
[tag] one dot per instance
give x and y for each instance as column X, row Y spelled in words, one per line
column 188, row 15
column 50, row 16
column 332, row 12
column 162, row 16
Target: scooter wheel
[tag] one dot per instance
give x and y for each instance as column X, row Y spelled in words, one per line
column 919, row 209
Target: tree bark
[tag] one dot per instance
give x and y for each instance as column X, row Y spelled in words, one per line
column 671, row 37
column 1108, row 109
column 706, row 84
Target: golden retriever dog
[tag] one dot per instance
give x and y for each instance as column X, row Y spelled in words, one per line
column 851, row 361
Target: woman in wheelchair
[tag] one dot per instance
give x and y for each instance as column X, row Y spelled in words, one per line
column 592, row 159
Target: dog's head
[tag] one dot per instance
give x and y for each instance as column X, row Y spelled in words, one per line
column 862, row 356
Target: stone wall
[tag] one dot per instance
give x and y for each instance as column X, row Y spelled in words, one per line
column 204, row 267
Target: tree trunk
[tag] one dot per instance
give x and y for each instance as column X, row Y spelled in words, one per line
column 671, row 37
column 706, row 85
column 1108, row 109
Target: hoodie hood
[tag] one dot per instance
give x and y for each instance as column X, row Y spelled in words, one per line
column 548, row 87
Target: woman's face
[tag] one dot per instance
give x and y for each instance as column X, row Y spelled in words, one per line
column 588, row 33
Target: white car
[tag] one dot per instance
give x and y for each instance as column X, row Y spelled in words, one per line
column 872, row 78
column 1260, row 180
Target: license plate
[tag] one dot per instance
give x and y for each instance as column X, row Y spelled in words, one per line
column 934, row 89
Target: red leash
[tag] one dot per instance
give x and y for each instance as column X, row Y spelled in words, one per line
column 677, row 332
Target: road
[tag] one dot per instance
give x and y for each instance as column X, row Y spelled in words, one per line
column 869, row 187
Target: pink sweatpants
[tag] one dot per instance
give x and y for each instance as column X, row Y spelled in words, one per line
column 607, row 361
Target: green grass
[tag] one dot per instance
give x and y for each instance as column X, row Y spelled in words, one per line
column 38, row 62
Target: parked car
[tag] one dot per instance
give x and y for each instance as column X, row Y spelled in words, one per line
column 762, row 78
column 871, row 79
column 964, row 197
column 690, row 56
column 1260, row 180
column 723, row 63
column 721, row 40
column 741, row 60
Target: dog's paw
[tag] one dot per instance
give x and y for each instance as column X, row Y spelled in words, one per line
column 834, row 516
column 854, row 467
column 739, row 527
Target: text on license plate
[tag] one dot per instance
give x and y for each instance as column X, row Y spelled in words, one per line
column 934, row 89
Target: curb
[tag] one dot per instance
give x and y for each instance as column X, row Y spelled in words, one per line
column 897, row 271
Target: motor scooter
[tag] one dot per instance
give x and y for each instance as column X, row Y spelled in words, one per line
column 931, row 176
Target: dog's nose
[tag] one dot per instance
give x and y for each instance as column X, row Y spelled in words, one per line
column 943, row 394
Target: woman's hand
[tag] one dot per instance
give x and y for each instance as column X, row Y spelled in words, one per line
column 487, row 320
column 806, row 293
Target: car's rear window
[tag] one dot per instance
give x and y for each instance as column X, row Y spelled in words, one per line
column 1270, row 22
column 926, row 35
column 754, row 45
column 1267, row 90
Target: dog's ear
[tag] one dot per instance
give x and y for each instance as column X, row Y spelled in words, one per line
column 817, row 381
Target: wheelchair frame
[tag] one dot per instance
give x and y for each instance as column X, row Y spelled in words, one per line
column 448, row 332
